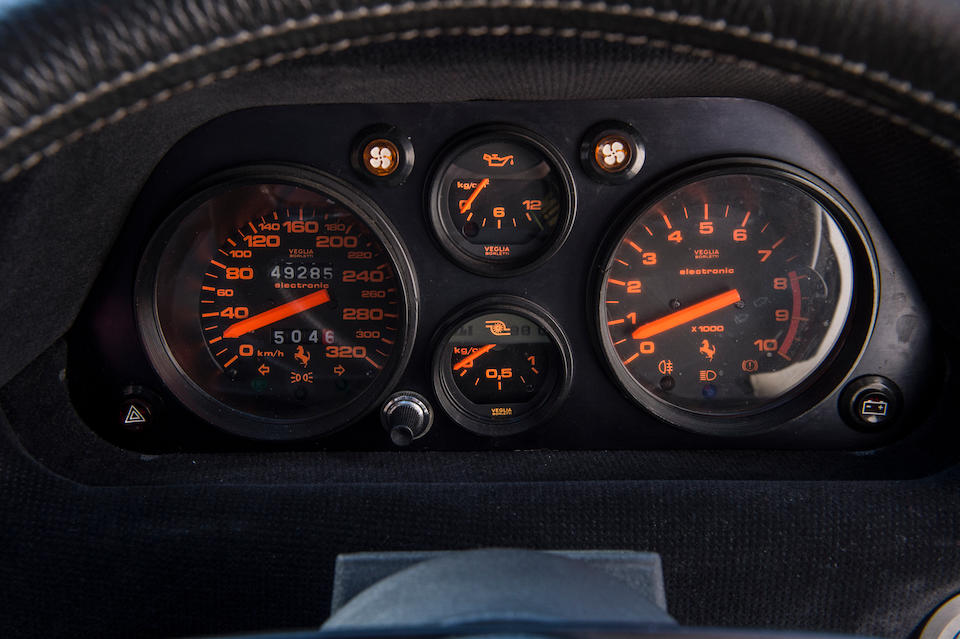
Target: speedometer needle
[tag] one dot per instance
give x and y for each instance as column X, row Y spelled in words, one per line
column 467, row 203
column 468, row 360
column 277, row 313
column 685, row 315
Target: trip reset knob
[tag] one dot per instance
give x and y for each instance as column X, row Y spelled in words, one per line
column 406, row 416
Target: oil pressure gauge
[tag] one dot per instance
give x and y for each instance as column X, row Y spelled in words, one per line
column 501, row 201
column 501, row 366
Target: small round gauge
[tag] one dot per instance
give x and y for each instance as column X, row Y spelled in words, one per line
column 501, row 201
column 277, row 303
column 729, row 294
column 501, row 366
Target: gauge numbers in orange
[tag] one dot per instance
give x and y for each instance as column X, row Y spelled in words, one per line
column 725, row 295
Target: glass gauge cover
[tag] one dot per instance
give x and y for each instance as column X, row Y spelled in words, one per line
column 728, row 294
column 501, row 201
column 501, row 368
column 277, row 303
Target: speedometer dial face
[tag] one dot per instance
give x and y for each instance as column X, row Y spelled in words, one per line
column 727, row 295
column 277, row 307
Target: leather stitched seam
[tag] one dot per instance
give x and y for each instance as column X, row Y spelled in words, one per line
column 474, row 31
column 859, row 69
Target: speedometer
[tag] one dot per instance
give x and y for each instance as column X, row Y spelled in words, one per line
column 728, row 295
column 277, row 303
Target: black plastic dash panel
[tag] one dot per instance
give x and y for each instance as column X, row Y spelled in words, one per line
column 106, row 356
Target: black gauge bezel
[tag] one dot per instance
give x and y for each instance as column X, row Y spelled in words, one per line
column 823, row 380
column 548, row 400
column 214, row 411
column 437, row 192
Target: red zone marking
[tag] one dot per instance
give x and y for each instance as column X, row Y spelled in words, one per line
column 795, row 316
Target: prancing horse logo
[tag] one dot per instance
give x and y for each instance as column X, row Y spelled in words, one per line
column 302, row 356
column 707, row 349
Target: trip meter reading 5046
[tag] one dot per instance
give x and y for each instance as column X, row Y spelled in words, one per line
column 726, row 296
column 277, row 305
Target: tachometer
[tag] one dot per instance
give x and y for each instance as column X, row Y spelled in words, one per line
column 727, row 295
column 277, row 304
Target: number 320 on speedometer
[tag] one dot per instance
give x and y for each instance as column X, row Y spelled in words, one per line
column 277, row 303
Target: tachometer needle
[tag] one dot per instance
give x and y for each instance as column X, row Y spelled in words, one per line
column 468, row 360
column 685, row 315
column 467, row 203
column 277, row 313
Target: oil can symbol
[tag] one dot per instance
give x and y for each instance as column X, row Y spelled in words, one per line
column 496, row 160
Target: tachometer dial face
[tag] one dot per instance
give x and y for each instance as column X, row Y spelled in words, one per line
column 277, row 307
column 501, row 201
column 726, row 295
column 501, row 368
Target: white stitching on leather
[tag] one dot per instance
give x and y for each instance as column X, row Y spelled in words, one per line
column 341, row 45
column 926, row 98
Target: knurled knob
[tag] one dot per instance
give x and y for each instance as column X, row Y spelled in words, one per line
column 406, row 416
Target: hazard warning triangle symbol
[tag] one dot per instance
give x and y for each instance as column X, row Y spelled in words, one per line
column 134, row 416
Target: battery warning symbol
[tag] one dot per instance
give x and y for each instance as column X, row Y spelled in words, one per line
column 874, row 407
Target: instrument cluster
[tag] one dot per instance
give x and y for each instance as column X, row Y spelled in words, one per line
column 631, row 274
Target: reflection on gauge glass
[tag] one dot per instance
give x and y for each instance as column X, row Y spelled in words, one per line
column 726, row 295
column 500, row 369
column 501, row 201
column 277, row 303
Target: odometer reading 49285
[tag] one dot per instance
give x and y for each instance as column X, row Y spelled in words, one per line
column 725, row 296
column 295, row 298
column 285, row 303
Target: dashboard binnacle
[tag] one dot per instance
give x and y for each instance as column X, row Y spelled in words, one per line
column 595, row 275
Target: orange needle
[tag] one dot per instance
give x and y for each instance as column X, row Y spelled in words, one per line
column 277, row 313
column 683, row 316
column 466, row 361
column 466, row 204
